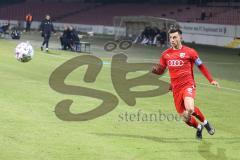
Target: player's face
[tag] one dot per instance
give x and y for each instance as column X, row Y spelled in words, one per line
column 175, row 40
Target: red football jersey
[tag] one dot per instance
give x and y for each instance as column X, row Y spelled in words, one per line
column 180, row 64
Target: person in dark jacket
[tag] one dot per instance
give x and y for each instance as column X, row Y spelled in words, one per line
column 46, row 28
column 5, row 28
column 69, row 39
column 75, row 40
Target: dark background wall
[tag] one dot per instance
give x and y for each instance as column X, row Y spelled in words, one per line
column 198, row 2
column 163, row 1
column 10, row 1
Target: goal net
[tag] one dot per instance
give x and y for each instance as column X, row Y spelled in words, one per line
column 129, row 27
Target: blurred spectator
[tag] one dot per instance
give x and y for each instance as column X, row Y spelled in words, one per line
column 28, row 20
column 70, row 40
column 147, row 35
column 157, row 35
column 210, row 14
column 203, row 15
column 163, row 37
column 16, row 34
column 75, row 40
column 4, row 29
column 151, row 36
column 65, row 43
column 144, row 37
column 46, row 28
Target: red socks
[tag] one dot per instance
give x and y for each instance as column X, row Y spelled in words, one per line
column 192, row 122
column 198, row 114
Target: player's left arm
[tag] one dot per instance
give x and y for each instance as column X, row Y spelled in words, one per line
column 198, row 62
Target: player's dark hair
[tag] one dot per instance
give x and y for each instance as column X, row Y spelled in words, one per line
column 173, row 30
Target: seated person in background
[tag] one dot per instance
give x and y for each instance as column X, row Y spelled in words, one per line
column 146, row 37
column 16, row 34
column 163, row 37
column 157, row 36
column 143, row 38
column 69, row 39
column 151, row 35
column 65, row 39
column 75, row 40
column 4, row 28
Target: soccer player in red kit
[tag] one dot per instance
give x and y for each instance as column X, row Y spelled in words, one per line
column 180, row 59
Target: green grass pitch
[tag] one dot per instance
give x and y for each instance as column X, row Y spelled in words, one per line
column 30, row 130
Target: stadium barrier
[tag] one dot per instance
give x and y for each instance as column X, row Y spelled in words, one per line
column 199, row 33
column 208, row 29
column 211, row 34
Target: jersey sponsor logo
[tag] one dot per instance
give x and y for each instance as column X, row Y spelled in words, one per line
column 175, row 63
column 182, row 55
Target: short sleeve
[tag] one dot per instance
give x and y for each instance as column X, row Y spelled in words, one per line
column 163, row 61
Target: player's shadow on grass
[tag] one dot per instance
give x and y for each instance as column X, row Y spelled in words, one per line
column 151, row 138
column 203, row 148
column 204, row 151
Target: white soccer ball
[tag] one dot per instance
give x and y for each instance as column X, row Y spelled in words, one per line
column 24, row 52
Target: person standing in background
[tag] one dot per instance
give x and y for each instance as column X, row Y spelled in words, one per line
column 28, row 20
column 46, row 29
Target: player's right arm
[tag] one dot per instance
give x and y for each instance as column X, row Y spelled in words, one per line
column 160, row 68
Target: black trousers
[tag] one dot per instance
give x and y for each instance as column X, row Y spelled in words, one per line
column 28, row 26
column 46, row 38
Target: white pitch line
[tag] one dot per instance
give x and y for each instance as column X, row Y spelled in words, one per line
column 221, row 63
column 226, row 88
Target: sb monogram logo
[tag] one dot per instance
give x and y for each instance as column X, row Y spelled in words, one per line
column 119, row 70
